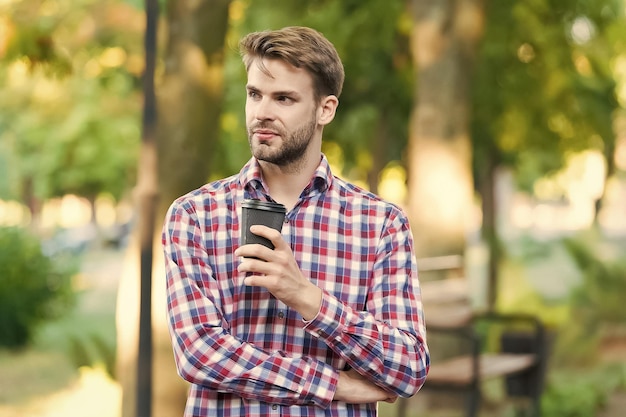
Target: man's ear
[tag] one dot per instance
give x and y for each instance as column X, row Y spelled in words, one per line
column 328, row 107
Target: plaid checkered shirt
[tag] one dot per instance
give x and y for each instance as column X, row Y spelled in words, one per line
column 247, row 354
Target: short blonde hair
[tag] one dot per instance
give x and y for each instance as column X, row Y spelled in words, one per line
column 301, row 47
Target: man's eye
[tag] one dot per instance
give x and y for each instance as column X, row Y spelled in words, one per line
column 284, row 99
column 253, row 94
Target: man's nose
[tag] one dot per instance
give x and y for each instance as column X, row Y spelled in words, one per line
column 264, row 109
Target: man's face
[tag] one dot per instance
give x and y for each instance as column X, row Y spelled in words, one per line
column 281, row 113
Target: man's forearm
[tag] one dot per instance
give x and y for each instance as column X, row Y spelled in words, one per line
column 393, row 358
column 355, row 389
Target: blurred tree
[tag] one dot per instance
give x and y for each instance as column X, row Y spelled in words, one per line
column 147, row 191
column 68, row 109
column 189, row 104
column 444, row 40
column 190, row 95
column 444, row 43
column 543, row 89
column 373, row 40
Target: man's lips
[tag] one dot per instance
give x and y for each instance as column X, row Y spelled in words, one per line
column 264, row 134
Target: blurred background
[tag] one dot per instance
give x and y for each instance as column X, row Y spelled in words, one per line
column 500, row 127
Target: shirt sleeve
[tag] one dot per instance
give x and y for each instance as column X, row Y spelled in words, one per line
column 205, row 352
column 386, row 343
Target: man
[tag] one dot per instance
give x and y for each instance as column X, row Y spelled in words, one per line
column 330, row 321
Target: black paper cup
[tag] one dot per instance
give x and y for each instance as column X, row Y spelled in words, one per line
column 266, row 213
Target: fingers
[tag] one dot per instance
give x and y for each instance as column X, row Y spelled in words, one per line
column 254, row 251
column 258, row 259
column 260, row 251
column 257, row 265
column 272, row 235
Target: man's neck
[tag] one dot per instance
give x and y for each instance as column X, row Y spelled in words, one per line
column 286, row 183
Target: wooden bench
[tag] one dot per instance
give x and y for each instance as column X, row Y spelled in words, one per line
column 519, row 358
column 460, row 370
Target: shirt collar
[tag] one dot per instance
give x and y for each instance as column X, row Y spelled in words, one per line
column 251, row 179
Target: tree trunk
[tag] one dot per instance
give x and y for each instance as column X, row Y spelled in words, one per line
column 609, row 159
column 32, row 202
column 380, row 156
column 189, row 97
column 444, row 41
column 440, row 189
column 489, row 228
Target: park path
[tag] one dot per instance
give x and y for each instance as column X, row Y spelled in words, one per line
column 94, row 391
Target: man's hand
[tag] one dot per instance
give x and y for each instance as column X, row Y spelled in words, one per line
column 353, row 388
column 278, row 271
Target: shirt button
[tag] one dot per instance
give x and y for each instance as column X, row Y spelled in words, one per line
column 281, row 315
column 274, row 407
column 286, row 220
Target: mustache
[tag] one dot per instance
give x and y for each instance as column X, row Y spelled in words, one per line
column 264, row 125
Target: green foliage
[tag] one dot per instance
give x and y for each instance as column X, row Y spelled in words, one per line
column 596, row 305
column 373, row 40
column 543, row 87
column 578, row 398
column 70, row 103
column 33, row 288
column 72, row 124
column 570, row 394
column 600, row 298
column 92, row 350
column 73, row 146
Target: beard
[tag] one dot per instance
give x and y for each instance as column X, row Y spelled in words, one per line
column 293, row 147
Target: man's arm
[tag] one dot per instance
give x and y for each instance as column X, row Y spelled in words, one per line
column 205, row 351
column 353, row 388
column 386, row 344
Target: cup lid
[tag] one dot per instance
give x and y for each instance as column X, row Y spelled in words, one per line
column 263, row 205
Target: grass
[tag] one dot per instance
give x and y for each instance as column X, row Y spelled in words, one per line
column 32, row 373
